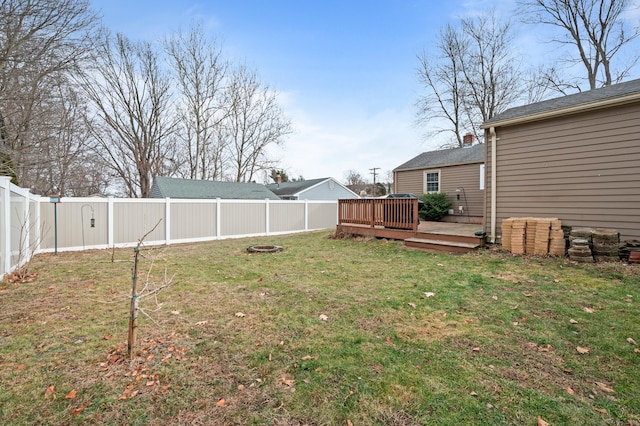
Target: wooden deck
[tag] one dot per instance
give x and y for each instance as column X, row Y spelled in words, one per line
column 369, row 217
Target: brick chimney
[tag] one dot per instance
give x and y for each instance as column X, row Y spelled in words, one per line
column 467, row 139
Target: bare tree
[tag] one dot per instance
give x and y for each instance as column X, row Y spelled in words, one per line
column 443, row 78
column 596, row 29
column 133, row 126
column 42, row 43
column 352, row 177
column 474, row 77
column 63, row 163
column 200, row 70
column 253, row 122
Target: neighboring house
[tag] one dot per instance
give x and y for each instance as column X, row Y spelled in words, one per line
column 370, row 190
column 313, row 189
column 576, row 158
column 167, row 187
column 459, row 172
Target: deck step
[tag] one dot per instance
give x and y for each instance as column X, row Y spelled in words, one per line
column 440, row 245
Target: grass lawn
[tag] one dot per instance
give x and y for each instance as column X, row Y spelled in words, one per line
column 326, row 332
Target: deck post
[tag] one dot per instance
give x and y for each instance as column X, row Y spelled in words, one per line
column 373, row 213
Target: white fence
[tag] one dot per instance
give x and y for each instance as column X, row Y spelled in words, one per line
column 33, row 224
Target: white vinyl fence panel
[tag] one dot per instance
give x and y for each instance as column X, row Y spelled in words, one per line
column 30, row 224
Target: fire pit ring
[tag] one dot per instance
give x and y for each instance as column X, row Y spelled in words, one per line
column 264, row 249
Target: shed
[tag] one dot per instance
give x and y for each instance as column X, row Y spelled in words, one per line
column 313, row 189
column 168, row 187
column 576, row 158
column 459, row 172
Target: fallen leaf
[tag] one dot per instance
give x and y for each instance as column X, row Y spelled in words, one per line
column 440, row 264
column 71, row 394
column 556, row 281
column 494, row 297
column 545, row 348
column 567, row 371
column 476, row 349
column 588, row 310
column 309, row 357
column 570, row 391
column 221, row 403
column 600, row 410
column 429, row 294
column 49, row 392
column 287, row 382
column 473, row 393
column 323, row 317
column 582, row 350
column 107, row 337
column 516, row 307
column 413, row 305
column 572, row 321
column 175, row 312
column 542, row 422
column 201, row 322
column 80, row 409
column 515, row 323
column 240, row 315
column 605, row 388
column 527, row 294
column 349, row 423
column 636, row 350
column 126, row 392
column 631, row 341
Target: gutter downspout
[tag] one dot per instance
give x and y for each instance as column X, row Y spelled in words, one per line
column 492, row 132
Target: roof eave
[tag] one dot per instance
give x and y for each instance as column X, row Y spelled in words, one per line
column 435, row 166
column 590, row 106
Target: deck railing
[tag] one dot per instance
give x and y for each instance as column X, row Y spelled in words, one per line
column 399, row 213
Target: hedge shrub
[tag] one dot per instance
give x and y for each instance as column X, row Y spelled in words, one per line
column 436, row 205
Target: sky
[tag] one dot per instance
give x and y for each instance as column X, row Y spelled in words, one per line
column 345, row 71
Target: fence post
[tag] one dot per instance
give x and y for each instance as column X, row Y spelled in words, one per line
column 218, row 220
column 266, row 216
column 306, row 215
column 110, row 241
column 26, row 250
column 37, row 221
column 167, row 221
column 5, row 244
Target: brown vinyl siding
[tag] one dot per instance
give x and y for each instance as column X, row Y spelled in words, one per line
column 582, row 168
column 466, row 176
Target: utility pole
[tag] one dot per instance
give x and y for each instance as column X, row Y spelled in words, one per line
column 373, row 172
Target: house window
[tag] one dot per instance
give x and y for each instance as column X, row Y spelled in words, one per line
column 431, row 181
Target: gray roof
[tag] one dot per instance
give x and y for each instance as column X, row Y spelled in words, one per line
column 559, row 104
column 167, row 187
column 445, row 157
column 293, row 188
